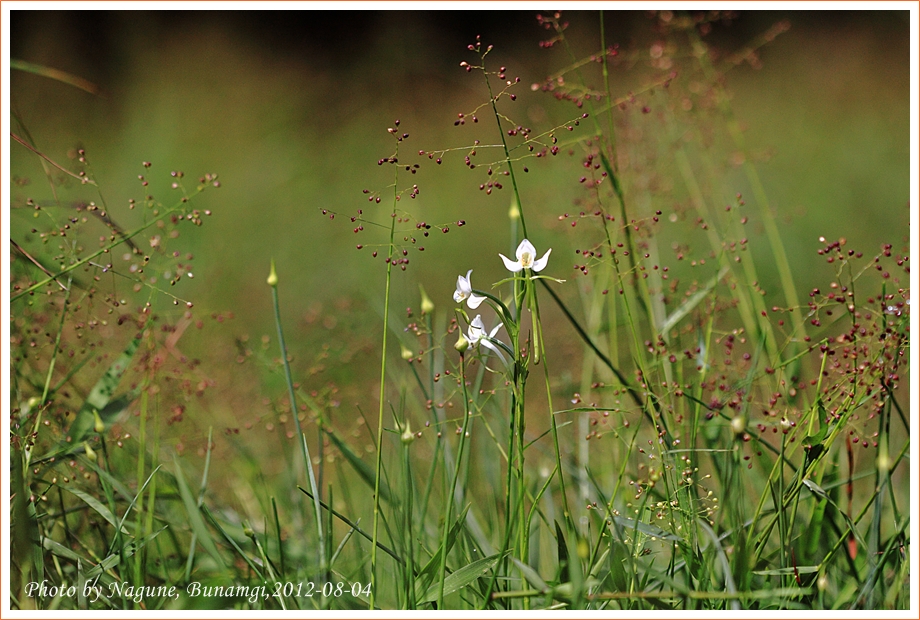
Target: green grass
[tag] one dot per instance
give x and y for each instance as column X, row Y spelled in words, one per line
column 705, row 432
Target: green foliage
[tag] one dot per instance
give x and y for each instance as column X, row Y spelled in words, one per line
column 667, row 427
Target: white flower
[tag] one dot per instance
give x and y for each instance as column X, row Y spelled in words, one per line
column 476, row 334
column 525, row 258
column 465, row 291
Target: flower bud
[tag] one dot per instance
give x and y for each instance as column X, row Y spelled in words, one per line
column 90, row 453
column 462, row 344
column 884, row 462
column 738, row 425
column 272, row 276
column 514, row 213
column 427, row 304
column 406, row 354
column 98, row 424
column 407, row 436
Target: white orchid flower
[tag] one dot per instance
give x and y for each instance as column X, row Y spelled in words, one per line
column 465, row 291
column 476, row 335
column 526, row 254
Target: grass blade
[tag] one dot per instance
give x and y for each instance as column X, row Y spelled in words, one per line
column 55, row 74
column 194, row 518
column 462, row 577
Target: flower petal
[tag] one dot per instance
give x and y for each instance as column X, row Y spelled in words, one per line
column 525, row 247
column 484, row 342
column 474, row 300
column 510, row 265
column 464, row 289
column 476, row 330
column 540, row 264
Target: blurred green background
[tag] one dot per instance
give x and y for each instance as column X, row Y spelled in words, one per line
column 291, row 109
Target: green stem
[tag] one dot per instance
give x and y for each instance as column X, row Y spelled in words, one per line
column 552, row 420
column 449, row 500
column 305, row 450
column 408, row 518
column 501, row 134
column 382, row 394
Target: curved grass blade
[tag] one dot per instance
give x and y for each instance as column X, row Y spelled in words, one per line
column 462, row 577
column 99, row 507
column 194, row 518
column 55, row 74
column 363, row 469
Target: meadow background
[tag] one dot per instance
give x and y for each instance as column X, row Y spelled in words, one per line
column 291, row 110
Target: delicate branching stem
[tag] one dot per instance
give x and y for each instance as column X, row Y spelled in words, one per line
column 501, row 133
column 83, row 261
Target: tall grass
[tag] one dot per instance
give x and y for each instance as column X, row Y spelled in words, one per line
column 698, row 442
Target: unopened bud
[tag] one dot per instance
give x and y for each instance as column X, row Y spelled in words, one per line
column 822, row 583
column 514, row 213
column 462, row 344
column 90, row 453
column 406, row 353
column 272, row 276
column 407, row 436
column 98, row 424
column 738, row 425
column 884, row 462
column 427, row 304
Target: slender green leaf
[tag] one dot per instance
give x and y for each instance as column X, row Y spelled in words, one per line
column 232, row 542
column 427, row 574
column 194, row 517
column 646, row 528
column 98, row 506
column 562, row 551
column 128, row 550
column 788, row 570
column 462, row 577
column 532, row 576
column 363, row 469
column 55, row 74
column 61, row 551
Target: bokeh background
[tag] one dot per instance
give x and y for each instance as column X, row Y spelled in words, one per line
column 291, row 109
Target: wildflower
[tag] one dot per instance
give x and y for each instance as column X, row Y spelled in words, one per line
column 525, row 258
column 476, row 334
column 465, row 291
